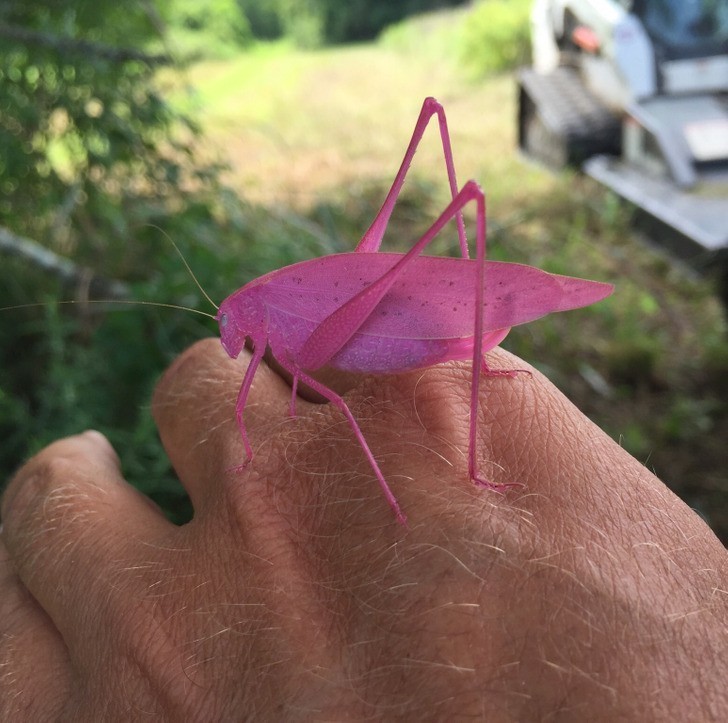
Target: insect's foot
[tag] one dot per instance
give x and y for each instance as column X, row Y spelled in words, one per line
column 486, row 371
column 238, row 468
column 495, row 486
column 510, row 373
column 401, row 518
column 394, row 505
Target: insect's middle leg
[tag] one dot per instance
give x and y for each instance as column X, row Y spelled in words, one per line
column 490, row 341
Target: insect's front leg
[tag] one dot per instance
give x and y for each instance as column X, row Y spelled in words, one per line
column 242, row 400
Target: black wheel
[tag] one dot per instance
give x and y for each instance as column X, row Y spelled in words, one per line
column 541, row 143
column 560, row 123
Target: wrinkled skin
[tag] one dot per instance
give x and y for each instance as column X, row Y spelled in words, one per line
column 593, row 593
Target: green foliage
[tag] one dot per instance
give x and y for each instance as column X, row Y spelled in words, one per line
column 114, row 23
column 89, row 149
column 365, row 19
column 263, row 17
column 92, row 157
column 496, row 36
column 312, row 23
column 209, row 29
column 303, row 21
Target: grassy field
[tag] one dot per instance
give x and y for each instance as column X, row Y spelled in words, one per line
column 298, row 127
column 321, row 134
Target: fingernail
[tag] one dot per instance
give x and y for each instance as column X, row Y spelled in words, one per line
column 96, row 437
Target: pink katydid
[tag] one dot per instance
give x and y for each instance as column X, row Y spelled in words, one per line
column 390, row 312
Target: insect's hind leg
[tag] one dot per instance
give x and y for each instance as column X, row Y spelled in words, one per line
column 339, row 403
column 372, row 239
column 489, row 341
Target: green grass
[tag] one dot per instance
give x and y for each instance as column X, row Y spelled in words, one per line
column 297, row 126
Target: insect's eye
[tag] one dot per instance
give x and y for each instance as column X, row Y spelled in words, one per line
column 223, row 320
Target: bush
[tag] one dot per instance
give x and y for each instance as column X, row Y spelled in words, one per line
column 496, row 36
column 365, row 19
column 263, row 17
column 92, row 160
column 303, row 22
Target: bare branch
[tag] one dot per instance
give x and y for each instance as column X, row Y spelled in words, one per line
column 59, row 266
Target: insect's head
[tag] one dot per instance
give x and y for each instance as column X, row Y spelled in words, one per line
column 241, row 315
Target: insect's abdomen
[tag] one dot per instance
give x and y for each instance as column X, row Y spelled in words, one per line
column 382, row 355
column 376, row 354
column 391, row 356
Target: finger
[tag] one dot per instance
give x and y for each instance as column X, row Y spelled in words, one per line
column 69, row 523
column 536, row 436
column 194, row 408
column 34, row 669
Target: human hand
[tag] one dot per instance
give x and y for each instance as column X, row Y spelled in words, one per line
column 593, row 593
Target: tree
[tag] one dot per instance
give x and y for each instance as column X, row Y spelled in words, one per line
column 89, row 148
column 91, row 156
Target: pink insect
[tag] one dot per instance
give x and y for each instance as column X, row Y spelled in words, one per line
column 385, row 313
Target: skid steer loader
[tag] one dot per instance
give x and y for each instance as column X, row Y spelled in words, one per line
column 636, row 92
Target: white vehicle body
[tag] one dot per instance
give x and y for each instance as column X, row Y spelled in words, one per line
column 661, row 68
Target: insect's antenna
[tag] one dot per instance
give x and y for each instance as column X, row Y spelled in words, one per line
column 184, row 261
column 111, row 301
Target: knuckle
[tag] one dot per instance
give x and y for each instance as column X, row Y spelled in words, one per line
column 32, row 488
column 43, row 501
column 13, row 600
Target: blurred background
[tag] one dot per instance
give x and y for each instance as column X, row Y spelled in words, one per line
column 256, row 133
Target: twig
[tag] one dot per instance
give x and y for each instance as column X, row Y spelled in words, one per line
column 64, row 269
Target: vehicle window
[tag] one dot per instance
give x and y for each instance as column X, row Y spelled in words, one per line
column 686, row 28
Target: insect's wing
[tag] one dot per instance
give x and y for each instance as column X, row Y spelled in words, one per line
column 576, row 293
column 301, row 297
column 517, row 294
column 339, row 326
column 435, row 298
